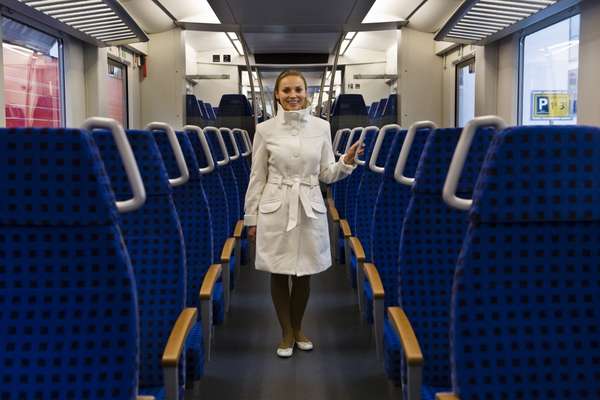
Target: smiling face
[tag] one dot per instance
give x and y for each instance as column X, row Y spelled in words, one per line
column 291, row 93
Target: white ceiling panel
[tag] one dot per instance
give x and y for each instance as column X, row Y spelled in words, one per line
column 433, row 15
column 207, row 41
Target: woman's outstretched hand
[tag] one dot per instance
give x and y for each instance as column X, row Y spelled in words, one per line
column 353, row 151
column 251, row 233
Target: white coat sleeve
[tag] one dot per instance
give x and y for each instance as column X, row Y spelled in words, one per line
column 258, row 179
column 332, row 171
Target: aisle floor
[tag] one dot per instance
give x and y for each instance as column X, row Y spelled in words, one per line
column 343, row 364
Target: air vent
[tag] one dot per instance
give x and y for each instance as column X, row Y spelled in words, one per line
column 485, row 21
column 101, row 22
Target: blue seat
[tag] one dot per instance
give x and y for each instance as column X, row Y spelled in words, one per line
column 196, row 223
column 525, row 315
column 194, row 114
column 389, row 114
column 431, row 240
column 203, row 111
column 210, row 111
column 68, row 309
column 154, row 239
column 235, row 111
column 349, row 111
column 372, row 111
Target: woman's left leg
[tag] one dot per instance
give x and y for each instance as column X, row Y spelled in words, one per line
column 298, row 301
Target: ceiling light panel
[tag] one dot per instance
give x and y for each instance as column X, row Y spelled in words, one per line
column 101, row 22
column 484, row 21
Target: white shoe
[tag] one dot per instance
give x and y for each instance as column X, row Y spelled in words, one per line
column 286, row 352
column 306, row 346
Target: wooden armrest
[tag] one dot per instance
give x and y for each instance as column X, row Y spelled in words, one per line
column 227, row 250
column 345, row 228
column 239, row 228
column 409, row 341
column 335, row 215
column 374, row 280
column 179, row 333
column 357, row 248
column 446, row 396
column 210, row 279
column 145, row 397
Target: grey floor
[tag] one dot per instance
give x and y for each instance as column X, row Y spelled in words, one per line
column 343, row 364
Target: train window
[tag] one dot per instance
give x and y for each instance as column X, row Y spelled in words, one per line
column 465, row 92
column 117, row 92
column 32, row 76
column 548, row 71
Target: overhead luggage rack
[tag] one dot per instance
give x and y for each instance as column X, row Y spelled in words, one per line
column 484, row 21
column 99, row 22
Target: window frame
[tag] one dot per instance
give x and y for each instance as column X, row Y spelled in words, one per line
column 555, row 19
column 470, row 60
column 59, row 36
column 121, row 64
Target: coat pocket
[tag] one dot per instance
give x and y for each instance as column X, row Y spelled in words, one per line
column 318, row 206
column 267, row 208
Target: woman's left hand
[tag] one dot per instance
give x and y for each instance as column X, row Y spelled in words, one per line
column 353, row 151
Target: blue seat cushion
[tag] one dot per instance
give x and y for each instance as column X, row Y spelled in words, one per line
column 194, row 354
column 218, row 304
column 429, row 392
column 368, row 309
column 392, row 354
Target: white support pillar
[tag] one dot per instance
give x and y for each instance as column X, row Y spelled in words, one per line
column 588, row 97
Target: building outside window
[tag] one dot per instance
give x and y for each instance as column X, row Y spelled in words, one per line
column 32, row 76
column 465, row 92
column 549, row 69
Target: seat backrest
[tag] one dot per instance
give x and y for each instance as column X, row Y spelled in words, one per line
column 156, row 247
column 68, row 309
column 373, row 109
column 214, row 136
column 192, row 107
column 215, row 194
column 370, row 135
column 194, row 213
column 202, row 109
column 389, row 115
column 239, row 165
column 210, row 110
column 368, row 189
column 349, row 112
column 432, row 235
column 388, row 215
column 234, row 105
column 525, row 315
column 340, row 186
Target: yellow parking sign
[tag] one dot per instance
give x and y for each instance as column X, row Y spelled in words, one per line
column 551, row 105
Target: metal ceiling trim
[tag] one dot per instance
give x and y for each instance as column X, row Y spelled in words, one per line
column 499, row 18
column 318, row 28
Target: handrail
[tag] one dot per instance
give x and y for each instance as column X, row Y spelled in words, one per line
column 352, row 133
column 336, row 140
column 127, row 158
column 236, row 151
column 246, row 148
column 225, row 159
column 176, row 147
column 248, row 141
column 405, row 152
column 336, row 148
column 460, row 155
column 377, row 148
column 361, row 140
column 204, row 143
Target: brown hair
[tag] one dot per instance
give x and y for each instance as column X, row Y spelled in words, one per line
column 285, row 74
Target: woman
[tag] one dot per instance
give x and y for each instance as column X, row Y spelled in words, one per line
column 284, row 209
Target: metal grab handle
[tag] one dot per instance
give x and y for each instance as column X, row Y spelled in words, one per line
column 246, row 150
column 225, row 159
column 248, row 141
column 377, row 148
column 460, row 155
column 336, row 149
column 204, row 143
column 127, row 158
column 404, row 153
column 361, row 140
column 236, row 151
column 176, row 147
column 336, row 140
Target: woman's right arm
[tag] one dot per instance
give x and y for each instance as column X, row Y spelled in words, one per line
column 258, row 179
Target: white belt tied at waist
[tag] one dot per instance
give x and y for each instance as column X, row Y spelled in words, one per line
column 295, row 196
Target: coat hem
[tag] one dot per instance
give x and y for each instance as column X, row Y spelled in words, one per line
column 294, row 273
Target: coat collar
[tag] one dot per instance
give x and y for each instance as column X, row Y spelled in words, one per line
column 288, row 117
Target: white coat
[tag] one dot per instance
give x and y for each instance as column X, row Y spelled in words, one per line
column 291, row 153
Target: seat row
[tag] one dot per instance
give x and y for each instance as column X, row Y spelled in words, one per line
column 482, row 244
column 110, row 243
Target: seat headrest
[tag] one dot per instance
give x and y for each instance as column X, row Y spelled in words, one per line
column 214, row 144
column 53, row 177
column 390, row 106
column 380, row 108
column 388, row 139
column 147, row 156
column 343, row 140
column 349, row 104
column 373, row 109
column 234, row 105
column 166, row 151
column 369, row 142
column 394, row 153
column 437, row 154
column 536, row 173
column 192, row 108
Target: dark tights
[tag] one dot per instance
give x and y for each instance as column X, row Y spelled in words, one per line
column 290, row 305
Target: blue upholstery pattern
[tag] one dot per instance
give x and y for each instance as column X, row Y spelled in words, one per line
column 432, row 236
column 349, row 104
column 525, row 315
column 155, row 243
column 373, row 110
column 192, row 107
column 217, row 200
column 234, row 105
column 237, row 169
column 68, row 308
column 212, row 115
